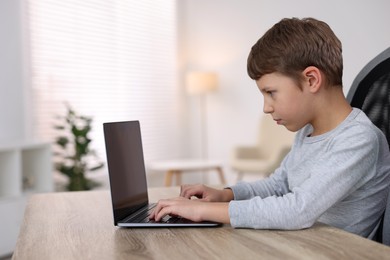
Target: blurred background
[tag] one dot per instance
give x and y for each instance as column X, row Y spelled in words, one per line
column 130, row 60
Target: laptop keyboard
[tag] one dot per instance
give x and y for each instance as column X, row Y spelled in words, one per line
column 142, row 216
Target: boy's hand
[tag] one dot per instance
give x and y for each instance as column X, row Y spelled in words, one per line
column 194, row 210
column 189, row 209
column 205, row 193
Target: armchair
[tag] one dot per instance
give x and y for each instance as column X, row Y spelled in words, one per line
column 274, row 142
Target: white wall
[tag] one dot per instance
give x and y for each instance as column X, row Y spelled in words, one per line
column 217, row 35
column 12, row 109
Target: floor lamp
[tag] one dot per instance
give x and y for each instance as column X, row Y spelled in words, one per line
column 200, row 84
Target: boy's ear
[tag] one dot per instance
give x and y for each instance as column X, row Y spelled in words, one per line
column 312, row 78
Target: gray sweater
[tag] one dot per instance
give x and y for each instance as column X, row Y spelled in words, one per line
column 340, row 178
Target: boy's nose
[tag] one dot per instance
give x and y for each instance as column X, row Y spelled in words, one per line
column 267, row 108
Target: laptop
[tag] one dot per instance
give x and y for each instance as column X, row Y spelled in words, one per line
column 128, row 185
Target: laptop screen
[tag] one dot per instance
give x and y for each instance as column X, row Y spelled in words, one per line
column 126, row 167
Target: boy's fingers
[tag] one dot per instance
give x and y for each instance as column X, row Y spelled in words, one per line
column 151, row 216
column 167, row 209
column 156, row 210
column 161, row 209
column 185, row 191
column 162, row 213
column 188, row 191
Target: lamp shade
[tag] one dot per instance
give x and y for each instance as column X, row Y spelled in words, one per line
column 199, row 83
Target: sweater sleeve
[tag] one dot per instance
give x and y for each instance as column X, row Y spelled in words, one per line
column 344, row 165
column 275, row 185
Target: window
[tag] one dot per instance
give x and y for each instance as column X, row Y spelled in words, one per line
column 113, row 60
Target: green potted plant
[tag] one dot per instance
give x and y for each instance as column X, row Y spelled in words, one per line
column 74, row 156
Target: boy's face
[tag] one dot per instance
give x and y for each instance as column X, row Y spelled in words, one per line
column 285, row 101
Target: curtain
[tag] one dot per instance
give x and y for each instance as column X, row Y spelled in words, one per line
column 111, row 60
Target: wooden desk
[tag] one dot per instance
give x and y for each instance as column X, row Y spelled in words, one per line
column 79, row 225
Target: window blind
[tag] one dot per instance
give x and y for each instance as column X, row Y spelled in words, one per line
column 113, row 60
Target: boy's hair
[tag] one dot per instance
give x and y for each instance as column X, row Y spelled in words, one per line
column 292, row 45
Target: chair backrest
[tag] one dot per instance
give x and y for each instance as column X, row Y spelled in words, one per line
column 370, row 91
column 386, row 224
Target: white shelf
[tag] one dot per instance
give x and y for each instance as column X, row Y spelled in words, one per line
column 10, row 173
column 25, row 168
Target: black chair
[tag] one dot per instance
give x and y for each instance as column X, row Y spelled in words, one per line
column 370, row 91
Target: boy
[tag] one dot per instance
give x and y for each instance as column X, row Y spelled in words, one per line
column 338, row 169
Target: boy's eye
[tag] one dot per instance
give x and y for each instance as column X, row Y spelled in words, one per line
column 270, row 93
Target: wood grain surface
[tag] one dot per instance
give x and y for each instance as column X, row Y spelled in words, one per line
column 79, row 225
